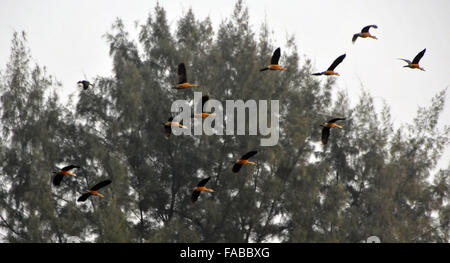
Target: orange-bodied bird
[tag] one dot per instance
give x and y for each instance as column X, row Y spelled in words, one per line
column 364, row 33
column 168, row 126
column 330, row 70
column 93, row 191
column 182, row 78
column 415, row 62
column 327, row 126
column 274, row 61
column 199, row 188
column 59, row 175
column 203, row 113
column 244, row 160
column 85, row 84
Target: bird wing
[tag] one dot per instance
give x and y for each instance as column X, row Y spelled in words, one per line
column 86, row 84
column 355, row 36
column 100, row 185
column 83, row 197
column 181, row 73
column 406, row 60
column 69, row 167
column 325, row 134
column 276, row 56
column 248, row 155
column 203, row 182
column 335, row 120
column 236, row 167
column 366, row 28
column 205, row 98
column 336, row 62
column 167, row 131
column 57, row 179
column 418, row 57
column 195, row 195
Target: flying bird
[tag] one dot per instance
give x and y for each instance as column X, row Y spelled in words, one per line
column 327, row 126
column 59, row 175
column 85, row 84
column 364, row 33
column 203, row 114
column 94, row 191
column 415, row 62
column 182, row 78
column 274, row 61
column 199, row 188
column 168, row 126
column 244, row 160
column 330, row 70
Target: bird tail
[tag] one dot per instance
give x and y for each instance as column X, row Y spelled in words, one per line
column 317, row 74
column 209, row 190
column 339, row 126
column 251, row 163
column 266, row 68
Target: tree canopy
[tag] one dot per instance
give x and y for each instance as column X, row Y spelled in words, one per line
column 371, row 179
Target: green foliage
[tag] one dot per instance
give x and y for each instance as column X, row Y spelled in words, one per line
column 371, row 179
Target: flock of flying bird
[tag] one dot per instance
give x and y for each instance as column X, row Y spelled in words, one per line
column 244, row 160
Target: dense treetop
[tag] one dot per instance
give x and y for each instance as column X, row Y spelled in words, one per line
column 371, row 179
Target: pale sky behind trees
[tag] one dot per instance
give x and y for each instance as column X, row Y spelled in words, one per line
column 67, row 38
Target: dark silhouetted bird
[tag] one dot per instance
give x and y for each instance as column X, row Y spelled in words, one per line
column 274, row 61
column 243, row 161
column 94, row 191
column 59, row 175
column 182, row 78
column 364, row 33
column 415, row 62
column 330, row 70
column 200, row 188
column 327, row 126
